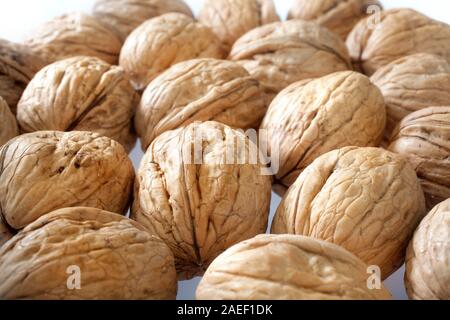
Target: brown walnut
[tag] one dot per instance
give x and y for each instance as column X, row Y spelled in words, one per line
column 8, row 123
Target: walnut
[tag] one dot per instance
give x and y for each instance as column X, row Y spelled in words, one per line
column 8, row 128
column 164, row 41
column 428, row 257
column 18, row 66
column 114, row 257
column 5, row 232
column 44, row 171
column 282, row 53
column 309, row 119
column 126, row 15
column 200, row 90
column 424, row 138
column 83, row 94
column 399, row 33
column 339, row 16
column 75, row 34
column 287, row 267
column 230, row 19
column 366, row 200
column 198, row 190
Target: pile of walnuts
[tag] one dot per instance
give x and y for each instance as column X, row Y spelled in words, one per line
column 344, row 110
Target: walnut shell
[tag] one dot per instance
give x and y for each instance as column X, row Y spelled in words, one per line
column 230, row 19
column 282, row 53
column 75, row 34
column 18, row 66
column 161, row 42
column 399, row 33
column 309, row 119
column 339, row 16
column 188, row 194
column 424, row 138
column 8, row 128
column 200, row 90
column 366, row 200
column 428, row 257
column 80, row 94
column 126, row 15
column 287, row 267
column 5, row 232
column 44, row 171
column 117, row 259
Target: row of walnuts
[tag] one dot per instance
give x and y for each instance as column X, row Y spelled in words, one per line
column 361, row 130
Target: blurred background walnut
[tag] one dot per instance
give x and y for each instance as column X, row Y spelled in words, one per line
column 8, row 123
column 287, row 267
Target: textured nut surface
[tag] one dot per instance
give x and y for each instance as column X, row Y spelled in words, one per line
column 366, row 200
column 201, row 209
column 307, row 120
column 126, row 15
column 400, row 32
column 161, row 42
column 75, row 34
column 339, row 16
column 424, row 138
column 5, row 232
column 83, row 94
column 230, row 19
column 44, row 171
column 282, row 53
column 287, row 267
column 117, row 259
column 17, row 67
column 200, row 90
column 8, row 123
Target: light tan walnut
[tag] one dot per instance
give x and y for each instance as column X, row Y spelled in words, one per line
column 8, row 123
column 399, row 33
column 287, row 267
column 367, row 200
column 311, row 118
column 424, row 138
column 126, row 15
column 75, row 34
column 282, row 53
column 44, row 171
column 112, row 257
column 198, row 189
column 230, row 19
column 200, row 90
column 80, row 94
column 161, row 42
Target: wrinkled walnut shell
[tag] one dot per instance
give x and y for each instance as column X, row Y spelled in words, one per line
column 45, row 171
column 200, row 90
column 5, row 232
column 367, row 200
column 80, row 94
column 201, row 209
column 287, row 267
column 116, row 259
column 399, row 33
column 161, row 42
column 8, row 123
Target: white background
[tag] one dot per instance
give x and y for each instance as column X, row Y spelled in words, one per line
column 19, row 17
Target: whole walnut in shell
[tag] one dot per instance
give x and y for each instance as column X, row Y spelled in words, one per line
column 45, row 171
column 282, row 53
column 18, row 66
column 339, row 16
column 367, row 200
column 198, row 190
column 230, row 19
column 399, row 33
column 80, row 94
column 161, row 42
column 75, row 34
column 308, row 119
column 114, row 258
column 126, row 15
column 428, row 257
column 424, row 138
column 287, row 267
column 200, row 90
column 8, row 127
